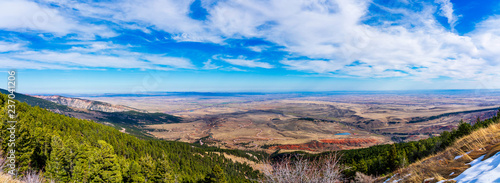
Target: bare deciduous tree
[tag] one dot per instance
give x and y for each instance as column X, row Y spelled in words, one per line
column 300, row 170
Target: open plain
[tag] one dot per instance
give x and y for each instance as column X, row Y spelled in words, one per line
column 313, row 122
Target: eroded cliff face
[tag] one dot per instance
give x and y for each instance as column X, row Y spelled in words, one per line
column 88, row 104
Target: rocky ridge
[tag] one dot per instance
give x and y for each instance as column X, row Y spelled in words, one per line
column 87, row 104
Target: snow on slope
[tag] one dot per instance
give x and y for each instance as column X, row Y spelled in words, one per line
column 482, row 171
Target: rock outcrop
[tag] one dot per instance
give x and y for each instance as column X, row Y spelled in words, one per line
column 88, row 104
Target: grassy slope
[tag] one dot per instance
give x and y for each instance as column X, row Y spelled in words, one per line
column 441, row 165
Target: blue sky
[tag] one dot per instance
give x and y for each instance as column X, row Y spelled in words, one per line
column 64, row 46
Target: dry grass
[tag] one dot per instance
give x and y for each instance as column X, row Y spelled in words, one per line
column 362, row 178
column 444, row 166
column 5, row 178
column 257, row 166
column 494, row 149
column 29, row 176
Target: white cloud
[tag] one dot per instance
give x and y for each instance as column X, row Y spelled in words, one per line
column 258, row 48
column 447, row 11
column 208, row 65
column 93, row 46
column 242, row 61
column 415, row 46
column 7, row 46
column 77, row 60
column 167, row 15
column 330, row 33
column 19, row 15
column 7, row 63
column 318, row 66
column 233, row 69
column 170, row 61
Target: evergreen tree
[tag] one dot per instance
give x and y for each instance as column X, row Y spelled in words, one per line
column 82, row 169
column 134, row 173
column 57, row 164
column 403, row 159
column 24, row 145
column 463, row 129
column 393, row 158
column 216, row 176
column 163, row 172
column 105, row 164
column 147, row 168
column 362, row 167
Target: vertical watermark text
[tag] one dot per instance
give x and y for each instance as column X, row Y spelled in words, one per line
column 11, row 123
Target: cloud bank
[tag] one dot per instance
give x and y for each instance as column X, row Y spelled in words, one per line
column 356, row 38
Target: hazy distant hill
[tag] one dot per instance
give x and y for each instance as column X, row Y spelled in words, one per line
column 123, row 117
column 88, row 104
column 33, row 101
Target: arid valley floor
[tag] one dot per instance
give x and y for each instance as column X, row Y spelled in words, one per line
column 312, row 122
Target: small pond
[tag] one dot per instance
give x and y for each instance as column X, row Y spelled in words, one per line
column 343, row 134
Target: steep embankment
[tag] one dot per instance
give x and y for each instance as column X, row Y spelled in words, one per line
column 87, row 104
column 472, row 158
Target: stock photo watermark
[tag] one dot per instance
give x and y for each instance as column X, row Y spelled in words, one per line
column 11, row 123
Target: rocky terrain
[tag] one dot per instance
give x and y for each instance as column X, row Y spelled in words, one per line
column 87, row 104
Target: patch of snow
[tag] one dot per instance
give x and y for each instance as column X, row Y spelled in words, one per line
column 460, row 156
column 482, row 171
column 390, row 178
column 472, row 163
column 429, row 179
column 441, row 181
column 451, row 173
